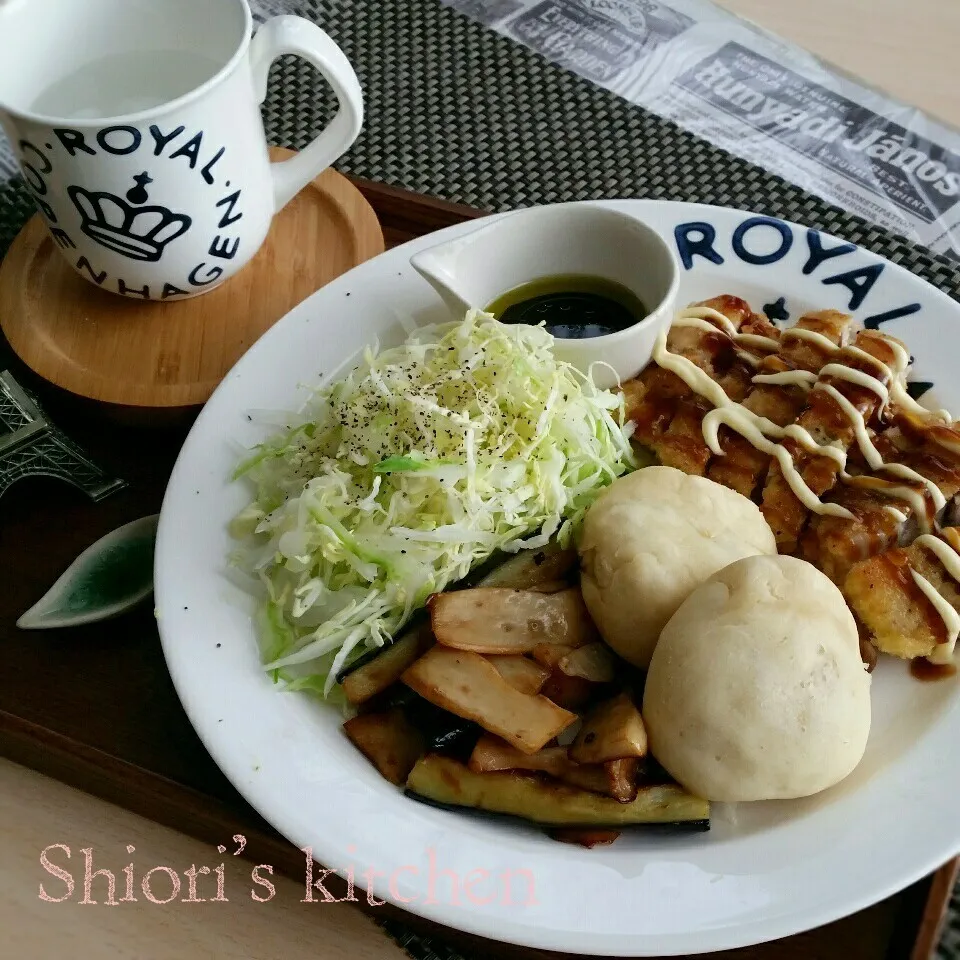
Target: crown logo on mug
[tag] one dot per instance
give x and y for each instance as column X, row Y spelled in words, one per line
column 140, row 233
column 146, row 155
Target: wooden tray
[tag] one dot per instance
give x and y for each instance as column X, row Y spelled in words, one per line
column 136, row 353
column 94, row 706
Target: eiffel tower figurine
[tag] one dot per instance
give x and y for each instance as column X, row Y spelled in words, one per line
column 32, row 446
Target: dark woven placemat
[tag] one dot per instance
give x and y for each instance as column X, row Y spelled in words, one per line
column 458, row 111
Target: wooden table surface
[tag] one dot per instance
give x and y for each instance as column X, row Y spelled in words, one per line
column 906, row 48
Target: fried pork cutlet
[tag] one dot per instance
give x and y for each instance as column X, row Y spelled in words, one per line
column 682, row 444
column 657, row 396
column 829, row 419
column 743, row 467
column 893, row 504
column 907, row 598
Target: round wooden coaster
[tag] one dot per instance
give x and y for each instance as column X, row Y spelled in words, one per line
column 147, row 354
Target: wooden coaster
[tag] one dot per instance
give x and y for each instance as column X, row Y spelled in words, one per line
column 146, row 354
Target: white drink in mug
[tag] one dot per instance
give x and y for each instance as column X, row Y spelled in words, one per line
column 137, row 126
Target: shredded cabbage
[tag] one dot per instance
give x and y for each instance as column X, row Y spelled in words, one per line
column 396, row 480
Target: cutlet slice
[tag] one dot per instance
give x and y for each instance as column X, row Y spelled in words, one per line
column 654, row 398
column 884, row 516
column 905, row 616
column 833, row 407
column 682, row 445
column 919, row 478
column 743, row 467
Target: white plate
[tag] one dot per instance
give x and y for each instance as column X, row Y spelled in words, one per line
column 764, row 870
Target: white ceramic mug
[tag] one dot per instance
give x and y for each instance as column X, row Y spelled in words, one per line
column 138, row 130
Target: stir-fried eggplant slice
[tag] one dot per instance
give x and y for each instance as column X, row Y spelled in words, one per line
column 500, row 620
column 612, row 730
column 522, row 674
column 492, row 753
column 388, row 740
column 443, row 731
column 442, row 781
column 373, row 676
column 530, row 569
column 617, row 779
column 470, row 686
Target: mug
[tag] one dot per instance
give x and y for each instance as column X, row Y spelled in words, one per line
column 137, row 127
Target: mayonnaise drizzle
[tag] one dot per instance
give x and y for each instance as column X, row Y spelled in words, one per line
column 788, row 378
column 747, row 424
column 906, row 473
column 704, row 313
column 739, row 419
column 755, row 340
column 757, row 429
column 945, row 554
column 871, row 359
column 916, row 500
column 899, row 395
column 870, row 452
column 695, row 378
column 842, row 372
column 889, row 387
column 818, row 338
column 898, row 389
column 943, row 653
column 747, row 339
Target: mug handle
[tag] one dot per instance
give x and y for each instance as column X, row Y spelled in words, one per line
column 298, row 36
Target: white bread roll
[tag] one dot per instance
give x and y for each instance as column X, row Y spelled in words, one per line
column 650, row 539
column 757, row 690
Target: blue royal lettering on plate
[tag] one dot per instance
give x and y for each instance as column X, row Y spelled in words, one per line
column 777, row 310
column 762, row 259
column 820, row 254
column 873, row 323
column 98, row 209
column 859, row 282
column 696, row 239
column 699, row 238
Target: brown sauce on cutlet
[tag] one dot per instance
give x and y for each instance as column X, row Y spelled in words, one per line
column 923, row 669
column 654, row 416
column 898, row 566
column 820, row 473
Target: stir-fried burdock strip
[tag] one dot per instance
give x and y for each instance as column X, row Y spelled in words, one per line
column 743, row 467
column 653, row 398
column 826, row 420
column 884, row 519
column 887, row 600
column 732, row 366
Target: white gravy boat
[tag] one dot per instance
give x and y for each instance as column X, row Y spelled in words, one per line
column 579, row 238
